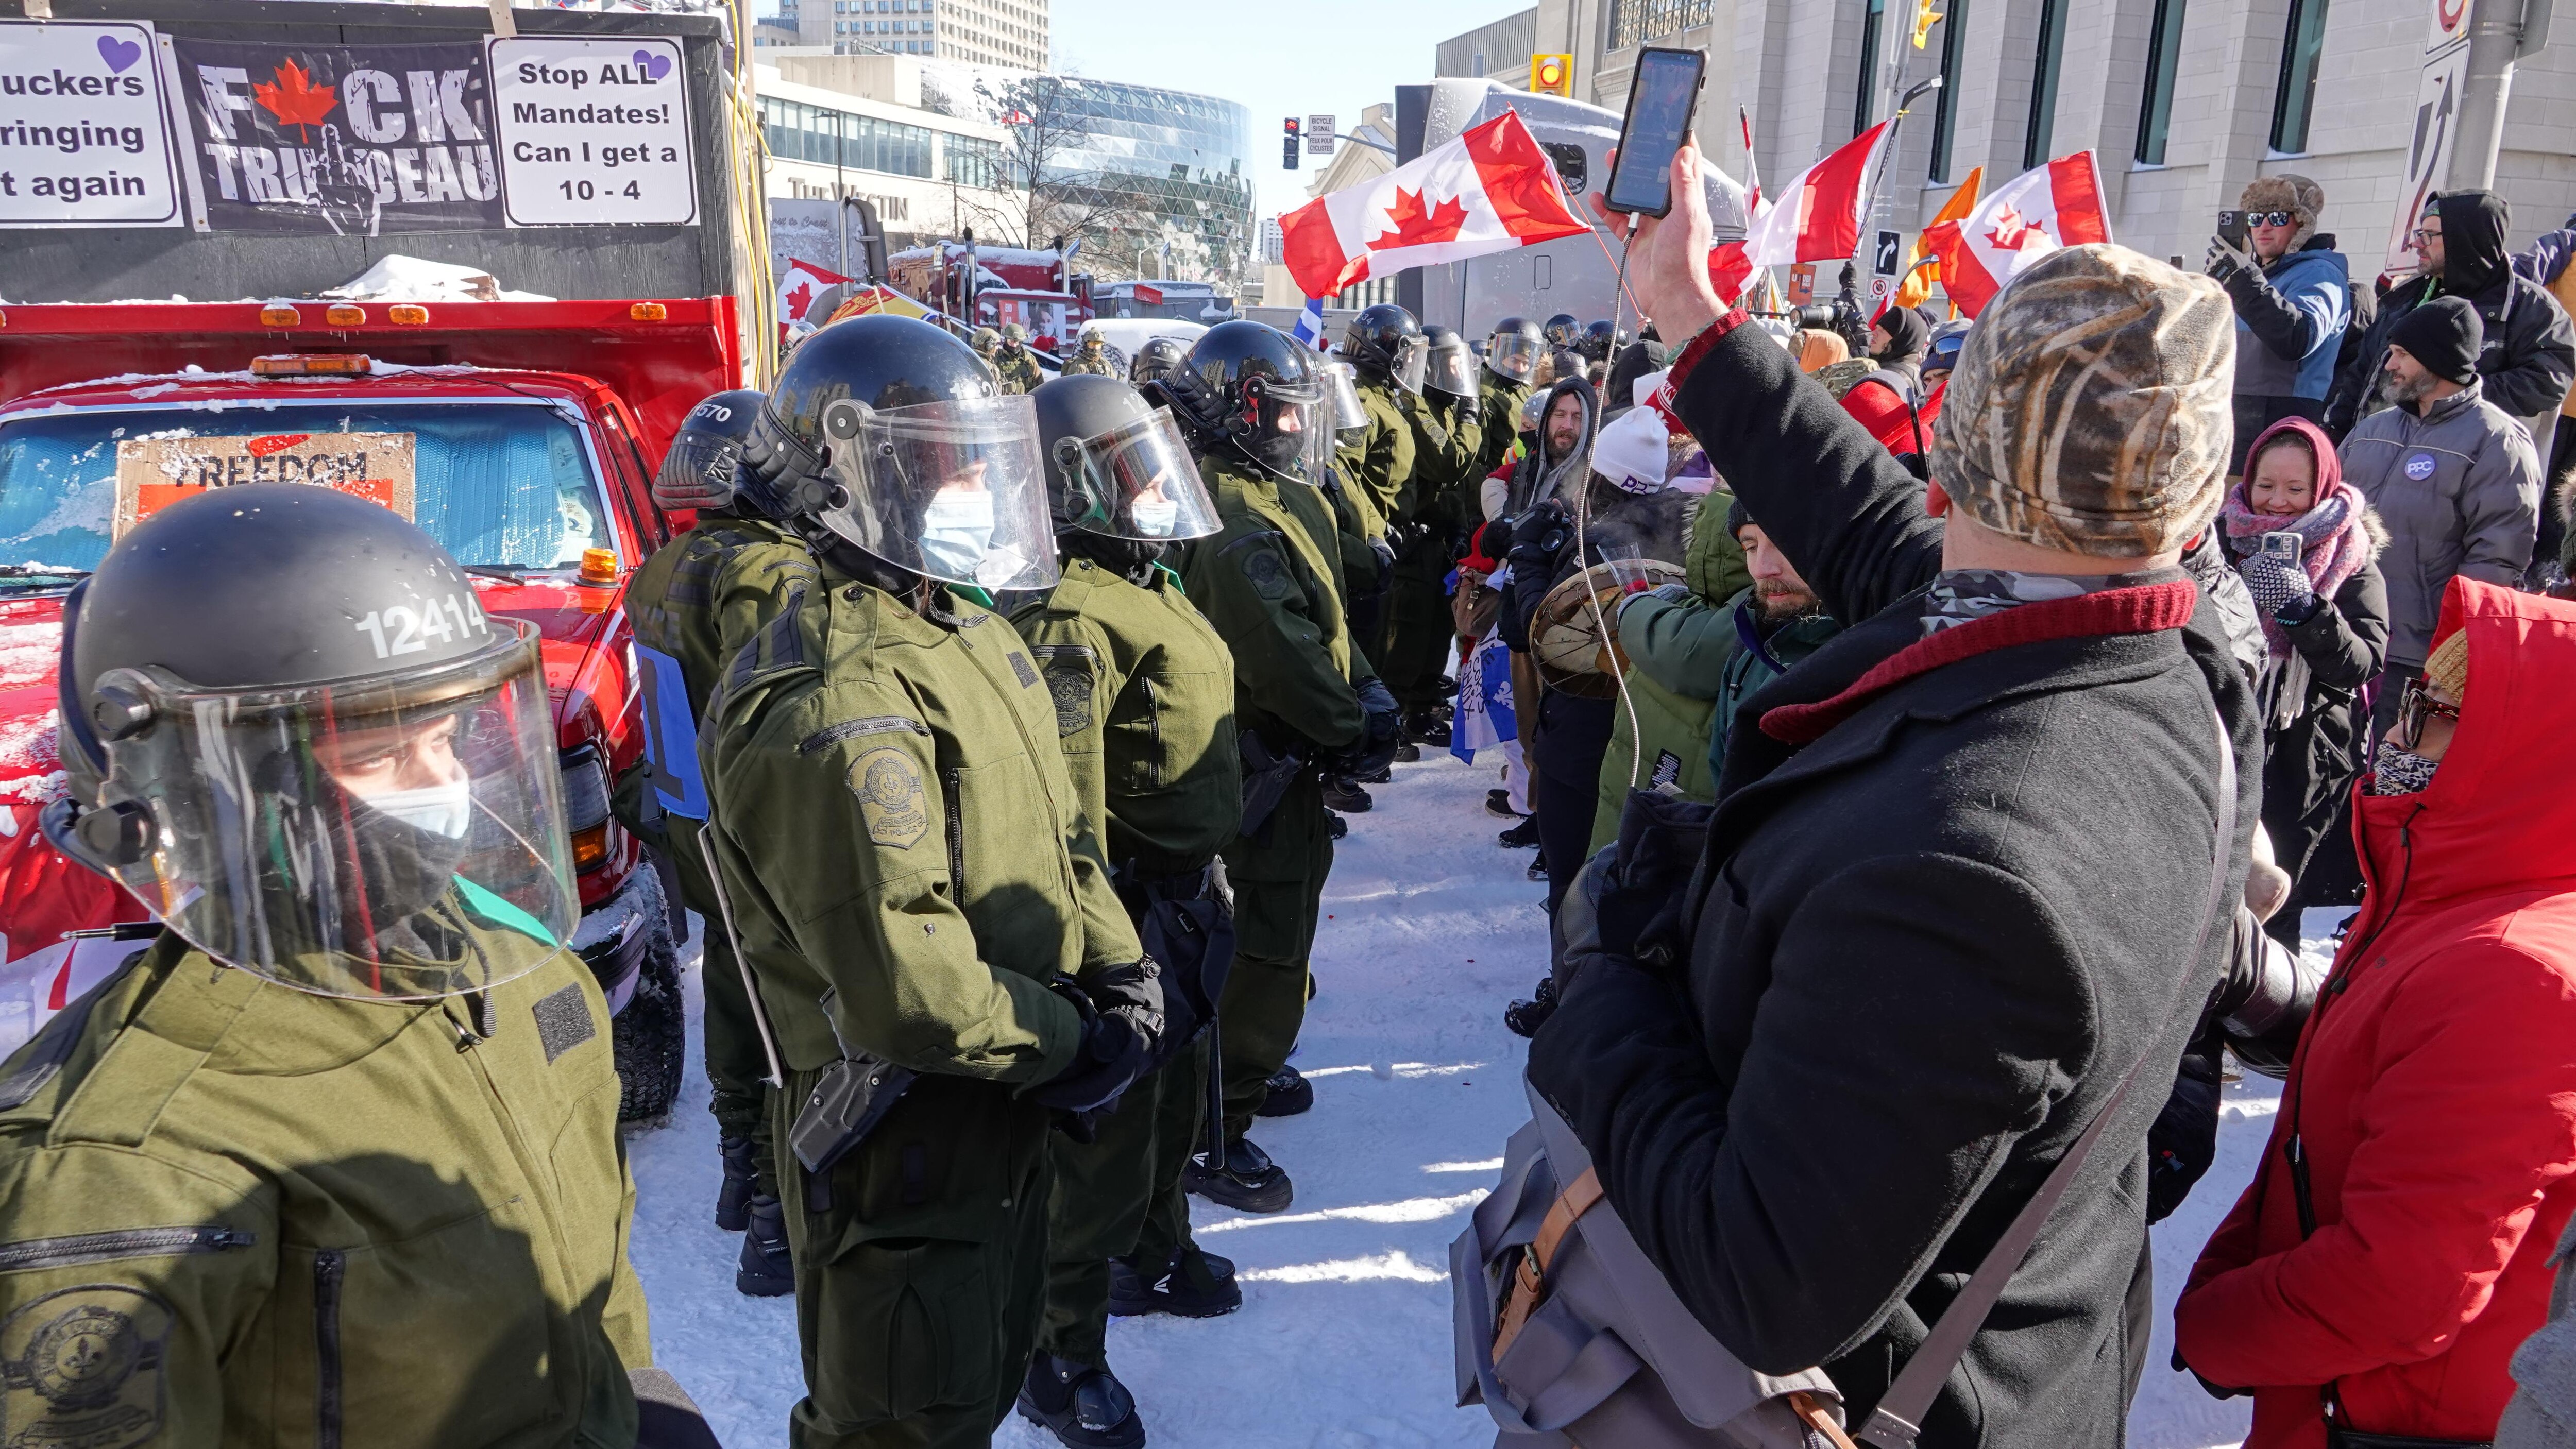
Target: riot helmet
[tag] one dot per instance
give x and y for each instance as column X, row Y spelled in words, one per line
column 1514, row 348
column 1599, row 340
column 1116, row 465
column 1255, row 389
column 1561, row 332
column 701, row 468
column 889, row 432
column 1342, row 396
column 1157, row 357
column 1386, row 344
column 329, row 768
column 1447, row 369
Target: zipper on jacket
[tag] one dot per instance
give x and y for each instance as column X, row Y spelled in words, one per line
column 952, row 785
column 1154, row 728
column 80, row 1248
column 875, row 724
column 328, row 1264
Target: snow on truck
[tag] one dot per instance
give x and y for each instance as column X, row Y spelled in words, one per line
column 521, row 434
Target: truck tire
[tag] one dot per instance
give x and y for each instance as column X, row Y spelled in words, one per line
column 651, row 1034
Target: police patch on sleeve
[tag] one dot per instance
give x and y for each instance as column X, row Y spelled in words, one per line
column 1269, row 576
column 1071, row 687
column 888, row 783
column 85, row 1367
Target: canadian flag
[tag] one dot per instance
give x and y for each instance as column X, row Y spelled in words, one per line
column 2026, row 218
column 1490, row 190
column 797, row 289
column 1815, row 215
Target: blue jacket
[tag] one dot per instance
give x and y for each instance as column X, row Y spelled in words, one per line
column 2290, row 318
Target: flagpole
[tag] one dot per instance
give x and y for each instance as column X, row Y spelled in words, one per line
column 1887, row 155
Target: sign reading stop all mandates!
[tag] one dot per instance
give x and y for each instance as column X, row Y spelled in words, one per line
column 593, row 132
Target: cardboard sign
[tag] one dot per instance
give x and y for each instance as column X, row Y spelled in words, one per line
column 153, row 473
column 594, row 132
column 83, row 139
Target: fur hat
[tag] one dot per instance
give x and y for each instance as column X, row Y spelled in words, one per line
column 2288, row 192
column 2090, row 409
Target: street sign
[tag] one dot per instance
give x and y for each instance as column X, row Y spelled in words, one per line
column 2436, row 132
column 1802, row 284
column 1886, row 254
column 1319, row 135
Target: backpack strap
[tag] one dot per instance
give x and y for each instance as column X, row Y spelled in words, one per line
column 1899, row 1415
column 1529, row 1284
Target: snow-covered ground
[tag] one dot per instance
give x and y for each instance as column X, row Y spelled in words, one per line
column 1343, row 1341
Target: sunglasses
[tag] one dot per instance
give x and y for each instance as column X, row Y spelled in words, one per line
column 2271, row 218
column 2414, row 707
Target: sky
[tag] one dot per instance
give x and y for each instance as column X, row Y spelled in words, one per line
column 1317, row 57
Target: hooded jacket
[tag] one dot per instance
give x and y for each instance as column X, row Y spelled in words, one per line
column 2530, row 353
column 2290, row 317
column 1537, row 477
column 2433, row 1093
column 2459, row 489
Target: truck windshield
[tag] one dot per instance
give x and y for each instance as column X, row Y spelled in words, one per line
column 500, row 485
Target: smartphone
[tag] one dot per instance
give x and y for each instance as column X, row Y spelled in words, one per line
column 1661, row 98
column 2283, row 545
column 2231, row 229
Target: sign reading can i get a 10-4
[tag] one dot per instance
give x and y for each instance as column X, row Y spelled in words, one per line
column 593, row 131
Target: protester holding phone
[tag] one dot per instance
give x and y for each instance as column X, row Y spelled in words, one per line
column 2307, row 545
column 2292, row 294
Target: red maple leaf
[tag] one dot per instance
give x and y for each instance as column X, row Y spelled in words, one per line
column 799, row 297
column 2012, row 233
column 295, row 100
column 1415, row 227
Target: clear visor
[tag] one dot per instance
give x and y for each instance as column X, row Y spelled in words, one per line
column 1410, row 356
column 698, row 472
column 1343, row 392
column 1512, row 355
column 382, row 840
column 954, row 491
column 1136, row 482
column 1449, row 371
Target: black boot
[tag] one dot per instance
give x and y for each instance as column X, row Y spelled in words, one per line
column 733, row 1199
column 1408, row 753
column 1346, row 797
column 1336, row 825
column 1290, row 1094
column 765, row 1270
column 1498, row 803
column 1523, row 836
column 1247, row 1181
column 1426, row 727
column 1524, row 1018
column 1193, row 1284
column 1085, row 1407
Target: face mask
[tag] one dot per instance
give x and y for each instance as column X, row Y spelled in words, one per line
column 2400, row 772
column 956, row 529
column 1154, row 517
column 441, row 810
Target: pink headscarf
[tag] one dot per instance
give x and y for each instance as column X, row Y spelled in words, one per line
column 2332, row 543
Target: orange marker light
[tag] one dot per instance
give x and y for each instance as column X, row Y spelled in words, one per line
column 407, row 314
column 310, row 364
column 279, row 317
column 648, row 312
column 342, row 314
column 599, row 566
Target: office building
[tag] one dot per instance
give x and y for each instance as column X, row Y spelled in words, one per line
column 976, row 32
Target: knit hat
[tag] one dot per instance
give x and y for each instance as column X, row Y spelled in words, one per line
column 2090, row 409
column 1906, row 334
column 1633, row 450
column 2447, row 667
column 2288, row 192
column 2446, row 335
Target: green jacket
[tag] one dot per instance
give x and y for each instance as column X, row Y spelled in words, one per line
column 1503, row 400
column 1143, row 691
column 1380, row 459
column 1089, row 361
column 1678, row 651
column 1270, row 582
column 1017, row 371
column 1446, row 442
column 235, row 1213
column 898, row 834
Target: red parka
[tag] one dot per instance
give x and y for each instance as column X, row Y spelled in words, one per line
column 2434, row 1089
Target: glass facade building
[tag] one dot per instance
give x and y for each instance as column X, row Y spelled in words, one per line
column 1177, row 158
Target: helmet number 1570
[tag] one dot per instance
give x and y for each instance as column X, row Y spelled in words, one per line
column 401, row 629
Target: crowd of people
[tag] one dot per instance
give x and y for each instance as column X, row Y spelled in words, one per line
column 1930, row 755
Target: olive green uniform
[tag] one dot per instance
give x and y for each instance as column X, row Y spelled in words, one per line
column 909, row 871
column 1376, row 475
column 1270, row 582
column 672, row 602
column 237, row 1213
column 1503, row 400
column 1088, row 361
column 1144, row 709
column 1447, row 438
column 1017, row 370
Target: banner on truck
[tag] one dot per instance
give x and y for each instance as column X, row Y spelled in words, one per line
column 360, row 140
column 84, row 140
column 594, row 132
column 153, row 473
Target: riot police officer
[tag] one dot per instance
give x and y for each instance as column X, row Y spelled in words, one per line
column 1512, row 352
column 1562, row 333
column 334, row 1159
column 1143, row 691
column 1600, row 340
column 672, row 601
column 943, row 962
column 1386, row 347
column 1448, row 434
column 1014, row 364
column 1157, row 357
column 1306, row 702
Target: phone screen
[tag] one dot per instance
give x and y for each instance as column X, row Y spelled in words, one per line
column 1659, row 118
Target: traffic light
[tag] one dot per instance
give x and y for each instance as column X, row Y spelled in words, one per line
column 1552, row 75
column 1924, row 15
column 1288, row 147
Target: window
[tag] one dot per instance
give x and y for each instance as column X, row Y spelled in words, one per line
column 1873, row 19
column 2155, row 107
column 2294, row 103
column 2043, row 84
column 1945, row 101
column 1635, row 22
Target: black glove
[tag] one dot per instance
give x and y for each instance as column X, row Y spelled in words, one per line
column 2215, row 1391
column 2224, row 261
column 1538, row 536
column 1381, row 731
column 2184, row 1138
column 1122, row 1025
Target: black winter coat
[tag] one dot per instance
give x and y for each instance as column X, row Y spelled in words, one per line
column 1922, row 950
column 2313, row 740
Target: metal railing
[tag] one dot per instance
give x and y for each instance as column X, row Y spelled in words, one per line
column 1634, row 22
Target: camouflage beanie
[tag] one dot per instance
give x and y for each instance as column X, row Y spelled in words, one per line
column 2090, row 409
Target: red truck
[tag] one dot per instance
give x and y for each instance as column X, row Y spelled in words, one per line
column 522, row 435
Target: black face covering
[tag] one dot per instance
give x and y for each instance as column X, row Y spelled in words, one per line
column 1906, row 335
column 2473, row 228
column 400, row 871
column 1125, row 556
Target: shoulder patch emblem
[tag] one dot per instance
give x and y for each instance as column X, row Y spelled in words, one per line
column 85, row 1367
column 563, row 1022
column 1070, row 684
column 888, row 784
column 1269, row 576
